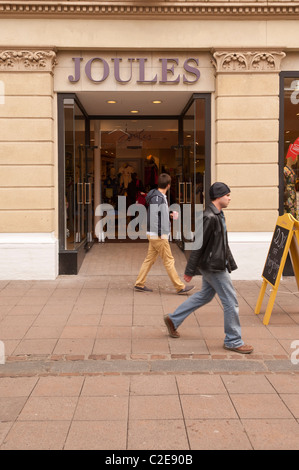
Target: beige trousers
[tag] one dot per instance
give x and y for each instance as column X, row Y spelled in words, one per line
column 159, row 247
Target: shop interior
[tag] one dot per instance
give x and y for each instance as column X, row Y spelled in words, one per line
column 104, row 157
column 132, row 154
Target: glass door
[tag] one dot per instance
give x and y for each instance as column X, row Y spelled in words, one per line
column 75, row 185
column 80, row 210
column 89, row 196
column 193, row 166
column 84, row 196
column 75, row 175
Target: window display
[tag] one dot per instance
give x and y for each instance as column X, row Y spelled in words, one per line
column 132, row 159
column 291, row 147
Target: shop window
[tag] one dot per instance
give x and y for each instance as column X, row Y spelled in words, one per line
column 291, row 146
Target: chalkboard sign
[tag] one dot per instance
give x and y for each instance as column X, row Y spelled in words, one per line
column 275, row 254
column 285, row 240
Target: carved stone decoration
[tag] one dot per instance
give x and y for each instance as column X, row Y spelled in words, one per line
column 150, row 8
column 27, row 60
column 225, row 61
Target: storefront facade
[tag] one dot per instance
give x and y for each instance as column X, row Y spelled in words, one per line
column 215, row 90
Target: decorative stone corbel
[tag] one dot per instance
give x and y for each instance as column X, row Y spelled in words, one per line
column 247, row 61
column 27, row 60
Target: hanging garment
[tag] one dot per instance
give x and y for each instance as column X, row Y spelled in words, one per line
column 290, row 196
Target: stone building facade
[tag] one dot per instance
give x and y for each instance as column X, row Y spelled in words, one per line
column 240, row 58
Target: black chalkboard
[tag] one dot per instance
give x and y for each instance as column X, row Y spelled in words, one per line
column 275, row 254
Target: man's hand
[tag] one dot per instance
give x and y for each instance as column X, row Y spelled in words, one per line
column 187, row 278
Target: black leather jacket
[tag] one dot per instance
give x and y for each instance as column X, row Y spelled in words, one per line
column 215, row 254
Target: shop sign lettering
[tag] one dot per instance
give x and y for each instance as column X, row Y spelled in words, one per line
column 97, row 70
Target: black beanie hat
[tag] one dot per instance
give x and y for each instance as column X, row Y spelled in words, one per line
column 218, row 190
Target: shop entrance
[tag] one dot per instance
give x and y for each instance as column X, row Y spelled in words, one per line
column 104, row 157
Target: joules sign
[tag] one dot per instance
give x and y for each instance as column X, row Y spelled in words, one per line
column 97, row 70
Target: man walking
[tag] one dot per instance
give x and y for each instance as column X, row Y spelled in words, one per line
column 158, row 231
column 214, row 261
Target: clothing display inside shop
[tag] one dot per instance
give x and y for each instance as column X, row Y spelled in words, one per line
column 290, row 195
column 125, row 175
column 151, row 172
column 125, row 180
column 290, row 180
column 111, row 187
column 135, row 190
column 116, row 183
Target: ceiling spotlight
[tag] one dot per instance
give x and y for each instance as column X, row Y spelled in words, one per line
column 134, row 111
column 111, row 102
column 157, row 102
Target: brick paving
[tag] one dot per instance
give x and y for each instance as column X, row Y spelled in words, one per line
column 89, row 364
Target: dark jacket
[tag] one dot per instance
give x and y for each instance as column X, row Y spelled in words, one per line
column 157, row 213
column 215, row 254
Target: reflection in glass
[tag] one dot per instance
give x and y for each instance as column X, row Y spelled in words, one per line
column 291, row 146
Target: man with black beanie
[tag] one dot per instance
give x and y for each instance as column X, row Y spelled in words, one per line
column 214, row 261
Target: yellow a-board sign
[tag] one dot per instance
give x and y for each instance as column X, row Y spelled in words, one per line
column 285, row 240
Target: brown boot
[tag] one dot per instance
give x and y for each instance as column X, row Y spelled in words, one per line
column 170, row 326
column 245, row 349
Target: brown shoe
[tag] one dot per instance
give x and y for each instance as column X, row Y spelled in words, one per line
column 185, row 290
column 171, row 329
column 143, row 289
column 245, row 349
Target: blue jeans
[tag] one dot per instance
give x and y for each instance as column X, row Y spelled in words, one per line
column 215, row 283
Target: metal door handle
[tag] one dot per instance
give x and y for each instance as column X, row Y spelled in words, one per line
column 182, row 196
column 87, row 193
column 79, row 193
column 188, row 193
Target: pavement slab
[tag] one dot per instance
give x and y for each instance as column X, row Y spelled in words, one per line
column 89, row 364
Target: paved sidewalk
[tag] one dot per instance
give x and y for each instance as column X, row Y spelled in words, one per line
column 89, row 364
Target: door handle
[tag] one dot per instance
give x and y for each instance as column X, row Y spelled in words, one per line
column 182, row 193
column 87, row 193
column 79, row 193
column 188, row 193
column 185, row 193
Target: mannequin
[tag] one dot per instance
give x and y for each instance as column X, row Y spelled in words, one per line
column 125, row 173
column 111, row 186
